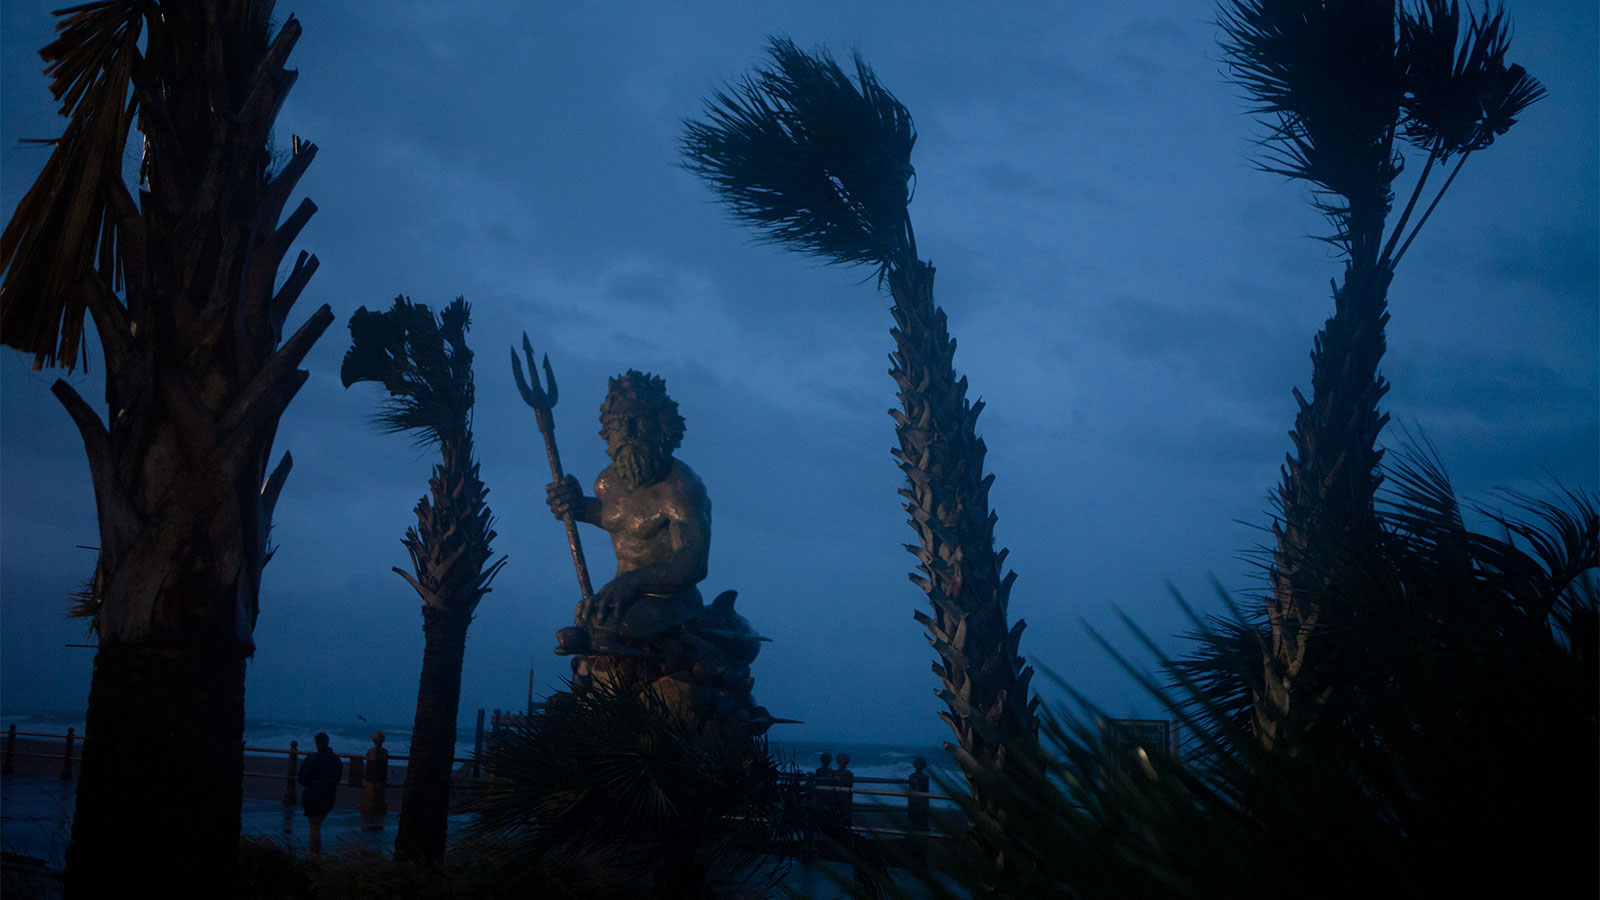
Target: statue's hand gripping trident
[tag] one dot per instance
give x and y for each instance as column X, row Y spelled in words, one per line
column 542, row 402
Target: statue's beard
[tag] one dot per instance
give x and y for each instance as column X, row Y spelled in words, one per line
column 637, row 465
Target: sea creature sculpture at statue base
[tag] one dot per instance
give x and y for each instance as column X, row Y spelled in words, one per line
column 698, row 667
column 648, row 626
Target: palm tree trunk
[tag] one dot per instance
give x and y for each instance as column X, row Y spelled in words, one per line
column 983, row 680
column 1327, row 501
column 425, row 806
column 161, row 782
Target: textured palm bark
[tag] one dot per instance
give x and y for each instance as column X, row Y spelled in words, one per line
column 1326, row 498
column 983, row 682
column 425, row 806
column 197, row 376
column 165, row 723
column 450, row 550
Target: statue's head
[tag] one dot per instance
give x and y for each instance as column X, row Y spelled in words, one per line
column 641, row 426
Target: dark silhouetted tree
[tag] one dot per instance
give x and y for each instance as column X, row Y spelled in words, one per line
column 181, row 283
column 1470, row 767
column 426, row 367
column 1344, row 85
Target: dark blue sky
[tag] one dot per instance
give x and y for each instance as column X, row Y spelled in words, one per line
column 1132, row 300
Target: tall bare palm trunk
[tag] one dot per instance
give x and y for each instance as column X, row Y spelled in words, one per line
column 1327, row 499
column 425, row 807
column 450, row 550
column 983, row 680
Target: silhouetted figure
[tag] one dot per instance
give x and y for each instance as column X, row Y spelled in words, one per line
column 917, row 807
column 845, row 779
column 319, row 776
column 374, row 797
column 824, row 771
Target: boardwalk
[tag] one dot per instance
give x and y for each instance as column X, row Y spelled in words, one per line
column 38, row 796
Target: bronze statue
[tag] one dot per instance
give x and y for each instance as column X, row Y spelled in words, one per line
column 649, row 625
column 655, row 509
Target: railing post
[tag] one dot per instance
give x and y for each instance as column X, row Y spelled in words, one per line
column 11, row 748
column 294, row 773
column 66, row 758
column 358, row 770
column 477, row 741
column 847, row 780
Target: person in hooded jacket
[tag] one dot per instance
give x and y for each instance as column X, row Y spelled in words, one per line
column 319, row 777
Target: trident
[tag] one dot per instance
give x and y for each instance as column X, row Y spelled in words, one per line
column 542, row 402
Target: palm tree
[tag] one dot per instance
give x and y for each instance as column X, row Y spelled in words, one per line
column 180, row 283
column 822, row 163
column 1471, row 773
column 1344, row 85
column 426, row 367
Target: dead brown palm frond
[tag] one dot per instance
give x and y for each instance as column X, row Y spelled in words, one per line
column 812, row 158
column 66, row 224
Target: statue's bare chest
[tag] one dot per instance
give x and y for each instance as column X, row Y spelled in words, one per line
column 638, row 516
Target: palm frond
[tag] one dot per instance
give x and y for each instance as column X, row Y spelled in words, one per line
column 64, row 227
column 811, row 158
column 1325, row 74
column 1222, row 670
column 422, row 361
column 1460, row 94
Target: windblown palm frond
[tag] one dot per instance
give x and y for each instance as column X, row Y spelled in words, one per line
column 422, row 361
column 1460, row 94
column 1326, row 72
column 811, row 158
column 1221, row 673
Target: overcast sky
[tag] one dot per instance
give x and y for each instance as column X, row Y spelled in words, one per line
column 1132, row 300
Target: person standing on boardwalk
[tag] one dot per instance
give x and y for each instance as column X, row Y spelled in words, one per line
column 845, row 778
column 374, row 800
column 824, row 772
column 319, row 776
column 917, row 806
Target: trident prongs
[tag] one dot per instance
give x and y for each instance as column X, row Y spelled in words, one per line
column 535, row 396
